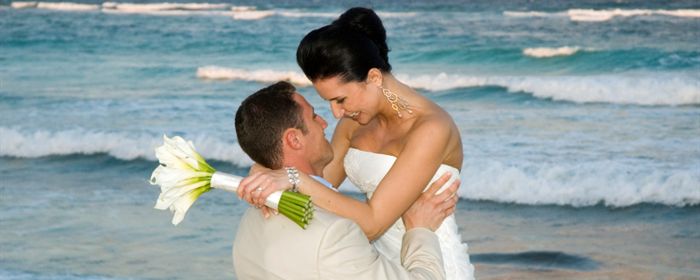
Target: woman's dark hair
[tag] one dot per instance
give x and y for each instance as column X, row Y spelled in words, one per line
column 350, row 46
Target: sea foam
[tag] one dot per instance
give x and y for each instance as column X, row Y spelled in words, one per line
column 262, row 76
column 550, row 52
column 126, row 146
column 591, row 15
column 135, row 8
column 187, row 9
column 610, row 183
column 67, row 6
column 639, row 89
column 607, row 182
column 23, row 5
column 251, row 14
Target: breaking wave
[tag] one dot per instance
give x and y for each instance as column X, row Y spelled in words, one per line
column 591, row 15
column 186, row 9
column 262, row 76
column 638, row 89
column 124, row 146
column 585, row 184
column 550, row 52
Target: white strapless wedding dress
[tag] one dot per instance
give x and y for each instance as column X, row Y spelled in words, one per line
column 366, row 170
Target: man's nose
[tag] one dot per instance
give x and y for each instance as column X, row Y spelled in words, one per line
column 324, row 124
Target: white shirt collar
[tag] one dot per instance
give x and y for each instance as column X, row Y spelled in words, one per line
column 324, row 182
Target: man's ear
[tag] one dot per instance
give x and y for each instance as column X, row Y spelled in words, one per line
column 375, row 77
column 292, row 138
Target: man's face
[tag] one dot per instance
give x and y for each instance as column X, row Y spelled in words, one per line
column 317, row 149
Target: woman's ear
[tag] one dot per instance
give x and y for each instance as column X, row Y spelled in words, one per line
column 375, row 77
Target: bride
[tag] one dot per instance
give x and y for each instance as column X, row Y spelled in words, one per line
column 390, row 141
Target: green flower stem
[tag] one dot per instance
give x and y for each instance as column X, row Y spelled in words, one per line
column 298, row 212
column 297, row 198
column 297, row 207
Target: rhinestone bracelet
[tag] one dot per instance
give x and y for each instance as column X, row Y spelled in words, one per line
column 293, row 175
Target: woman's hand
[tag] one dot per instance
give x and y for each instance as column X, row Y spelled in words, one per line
column 431, row 208
column 255, row 188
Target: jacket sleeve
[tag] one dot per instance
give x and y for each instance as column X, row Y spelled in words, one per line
column 345, row 253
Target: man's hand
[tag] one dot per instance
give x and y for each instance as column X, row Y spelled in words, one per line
column 431, row 208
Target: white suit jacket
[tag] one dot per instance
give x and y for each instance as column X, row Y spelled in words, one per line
column 330, row 248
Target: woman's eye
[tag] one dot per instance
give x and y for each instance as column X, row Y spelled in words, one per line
column 340, row 101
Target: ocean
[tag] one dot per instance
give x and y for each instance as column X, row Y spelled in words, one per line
column 580, row 123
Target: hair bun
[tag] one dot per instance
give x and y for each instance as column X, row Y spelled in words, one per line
column 367, row 22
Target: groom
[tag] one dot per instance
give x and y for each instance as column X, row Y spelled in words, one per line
column 277, row 127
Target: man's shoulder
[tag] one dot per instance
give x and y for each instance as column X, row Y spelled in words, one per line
column 281, row 235
column 325, row 219
column 321, row 222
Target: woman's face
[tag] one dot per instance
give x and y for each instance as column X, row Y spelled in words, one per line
column 355, row 100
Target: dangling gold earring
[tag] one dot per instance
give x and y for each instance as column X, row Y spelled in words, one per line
column 397, row 103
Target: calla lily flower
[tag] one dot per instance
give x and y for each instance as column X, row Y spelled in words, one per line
column 183, row 175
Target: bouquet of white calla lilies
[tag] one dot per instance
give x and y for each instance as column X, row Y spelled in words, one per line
column 183, row 175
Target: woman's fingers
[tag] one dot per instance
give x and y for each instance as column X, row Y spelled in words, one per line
column 245, row 184
column 253, row 189
column 267, row 212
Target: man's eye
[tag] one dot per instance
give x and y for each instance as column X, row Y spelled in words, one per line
column 340, row 101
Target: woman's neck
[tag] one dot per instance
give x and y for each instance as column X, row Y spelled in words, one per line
column 388, row 115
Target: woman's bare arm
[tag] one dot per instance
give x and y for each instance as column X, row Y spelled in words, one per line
column 334, row 172
column 403, row 184
column 423, row 153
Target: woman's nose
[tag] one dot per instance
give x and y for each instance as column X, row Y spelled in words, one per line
column 337, row 111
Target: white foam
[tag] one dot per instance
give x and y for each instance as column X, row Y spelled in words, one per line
column 242, row 8
column 680, row 13
column 640, row 89
column 67, row 6
column 302, row 14
column 550, row 52
column 167, row 12
column 613, row 183
column 23, row 5
column 604, row 15
column 610, row 183
column 251, row 14
column 186, row 9
column 592, row 15
column 263, row 76
column 30, row 144
column 527, row 14
column 154, row 7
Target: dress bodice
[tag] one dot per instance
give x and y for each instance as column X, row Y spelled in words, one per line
column 366, row 169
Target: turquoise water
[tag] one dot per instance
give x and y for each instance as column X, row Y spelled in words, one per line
column 561, row 106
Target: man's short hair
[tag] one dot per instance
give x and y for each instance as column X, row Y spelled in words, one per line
column 261, row 120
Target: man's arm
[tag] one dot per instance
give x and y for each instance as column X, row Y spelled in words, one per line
column 345, row 252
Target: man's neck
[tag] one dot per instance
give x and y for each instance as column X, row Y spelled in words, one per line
column 303, row 166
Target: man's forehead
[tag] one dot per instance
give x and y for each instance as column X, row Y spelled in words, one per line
column 302, row 101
